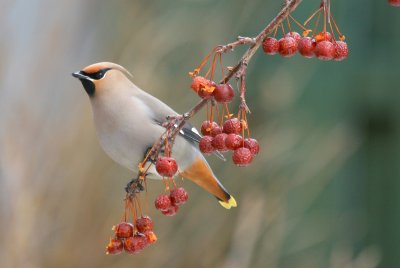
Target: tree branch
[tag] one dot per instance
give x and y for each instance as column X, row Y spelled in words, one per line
column 174, row 124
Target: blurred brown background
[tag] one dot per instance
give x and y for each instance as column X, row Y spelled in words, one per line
column 322, row 193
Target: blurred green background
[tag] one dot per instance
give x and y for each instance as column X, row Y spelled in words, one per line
column 324, row 191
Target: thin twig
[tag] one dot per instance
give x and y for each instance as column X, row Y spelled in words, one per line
column 239, row 70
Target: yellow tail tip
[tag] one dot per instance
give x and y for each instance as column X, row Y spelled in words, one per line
column 228, row 205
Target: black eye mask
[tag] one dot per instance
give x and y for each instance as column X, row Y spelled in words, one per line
column 97, row 75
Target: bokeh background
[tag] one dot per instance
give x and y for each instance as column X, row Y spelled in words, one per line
column 324, row 191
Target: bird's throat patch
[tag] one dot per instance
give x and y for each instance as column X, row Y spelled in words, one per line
column 88, row 86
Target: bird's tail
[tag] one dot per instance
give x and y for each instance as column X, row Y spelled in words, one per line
column 200, row 173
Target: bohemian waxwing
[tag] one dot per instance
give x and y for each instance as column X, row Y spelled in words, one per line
column 128, row 122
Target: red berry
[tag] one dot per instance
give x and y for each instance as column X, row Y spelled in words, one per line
column 207, row 127
column 306, row 47
column 215, row 131
column 223, row 93
column 395, row 3
column 178, row 196
column 151, row 237
column 341, row 50
column 219, row 142
column 323, row 36
column 295, row 35
column 123, row 230
column 166, row 166
column 163, row 202
column 115, row 246
column 270, row 46
column 198, row 82
column 232, row 126
column 233, row 141
column 325, row 50
column 287, row 46
column 135, row 244
column 144, row 224
column 171, row 211
column 205, row 145
column 242, row 157
column 252, row 145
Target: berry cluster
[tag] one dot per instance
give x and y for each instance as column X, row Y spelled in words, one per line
column 226, row 135
column 169, row 204
column 222, row 93
column 166, row 166
column 132, row 238
column 323, row 45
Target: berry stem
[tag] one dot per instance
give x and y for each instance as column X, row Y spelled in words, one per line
column 316, row 23
column 288, row 24
column 313, row 15
column 298, row 23
column 282, row 29
column 336, row 27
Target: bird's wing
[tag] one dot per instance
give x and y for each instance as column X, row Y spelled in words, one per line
column 160, row 111
column 191, row 134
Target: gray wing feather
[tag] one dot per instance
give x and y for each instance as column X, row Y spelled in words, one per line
column 160, row 112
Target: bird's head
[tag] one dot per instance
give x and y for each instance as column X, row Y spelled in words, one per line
column 102, row 76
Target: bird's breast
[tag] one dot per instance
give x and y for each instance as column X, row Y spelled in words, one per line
column 125, row 130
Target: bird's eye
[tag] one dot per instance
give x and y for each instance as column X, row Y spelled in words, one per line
column 99, row 74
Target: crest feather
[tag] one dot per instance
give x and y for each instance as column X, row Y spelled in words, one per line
column 93, row 68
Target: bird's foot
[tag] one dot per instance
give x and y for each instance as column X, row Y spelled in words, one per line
column 134, row 187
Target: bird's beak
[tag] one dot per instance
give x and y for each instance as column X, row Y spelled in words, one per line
column 79, row 75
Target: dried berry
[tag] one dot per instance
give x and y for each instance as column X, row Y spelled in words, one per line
column 179, row 196
column 135, row 244
column 205, row 145
column 242, row 157
column 215, row 131
column 295, row 35
column 287, row 46
column 151, row 237
column 252, row 145
column 123, row 230
column 144, row 224
column 341, row 50
column 199, row 82
column 323, row 36
column 325, row 50
column 270, row 46
column 223, row 93
column 232, row 126
column 166, row 166
column 306, row 47
column 219, row 142
column 172, row 210
column 163, row 202
column 207, row 127
column 207, row 91
column 233, row 141
column 115, row 246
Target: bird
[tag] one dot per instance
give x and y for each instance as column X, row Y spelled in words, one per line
column 128, row 121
